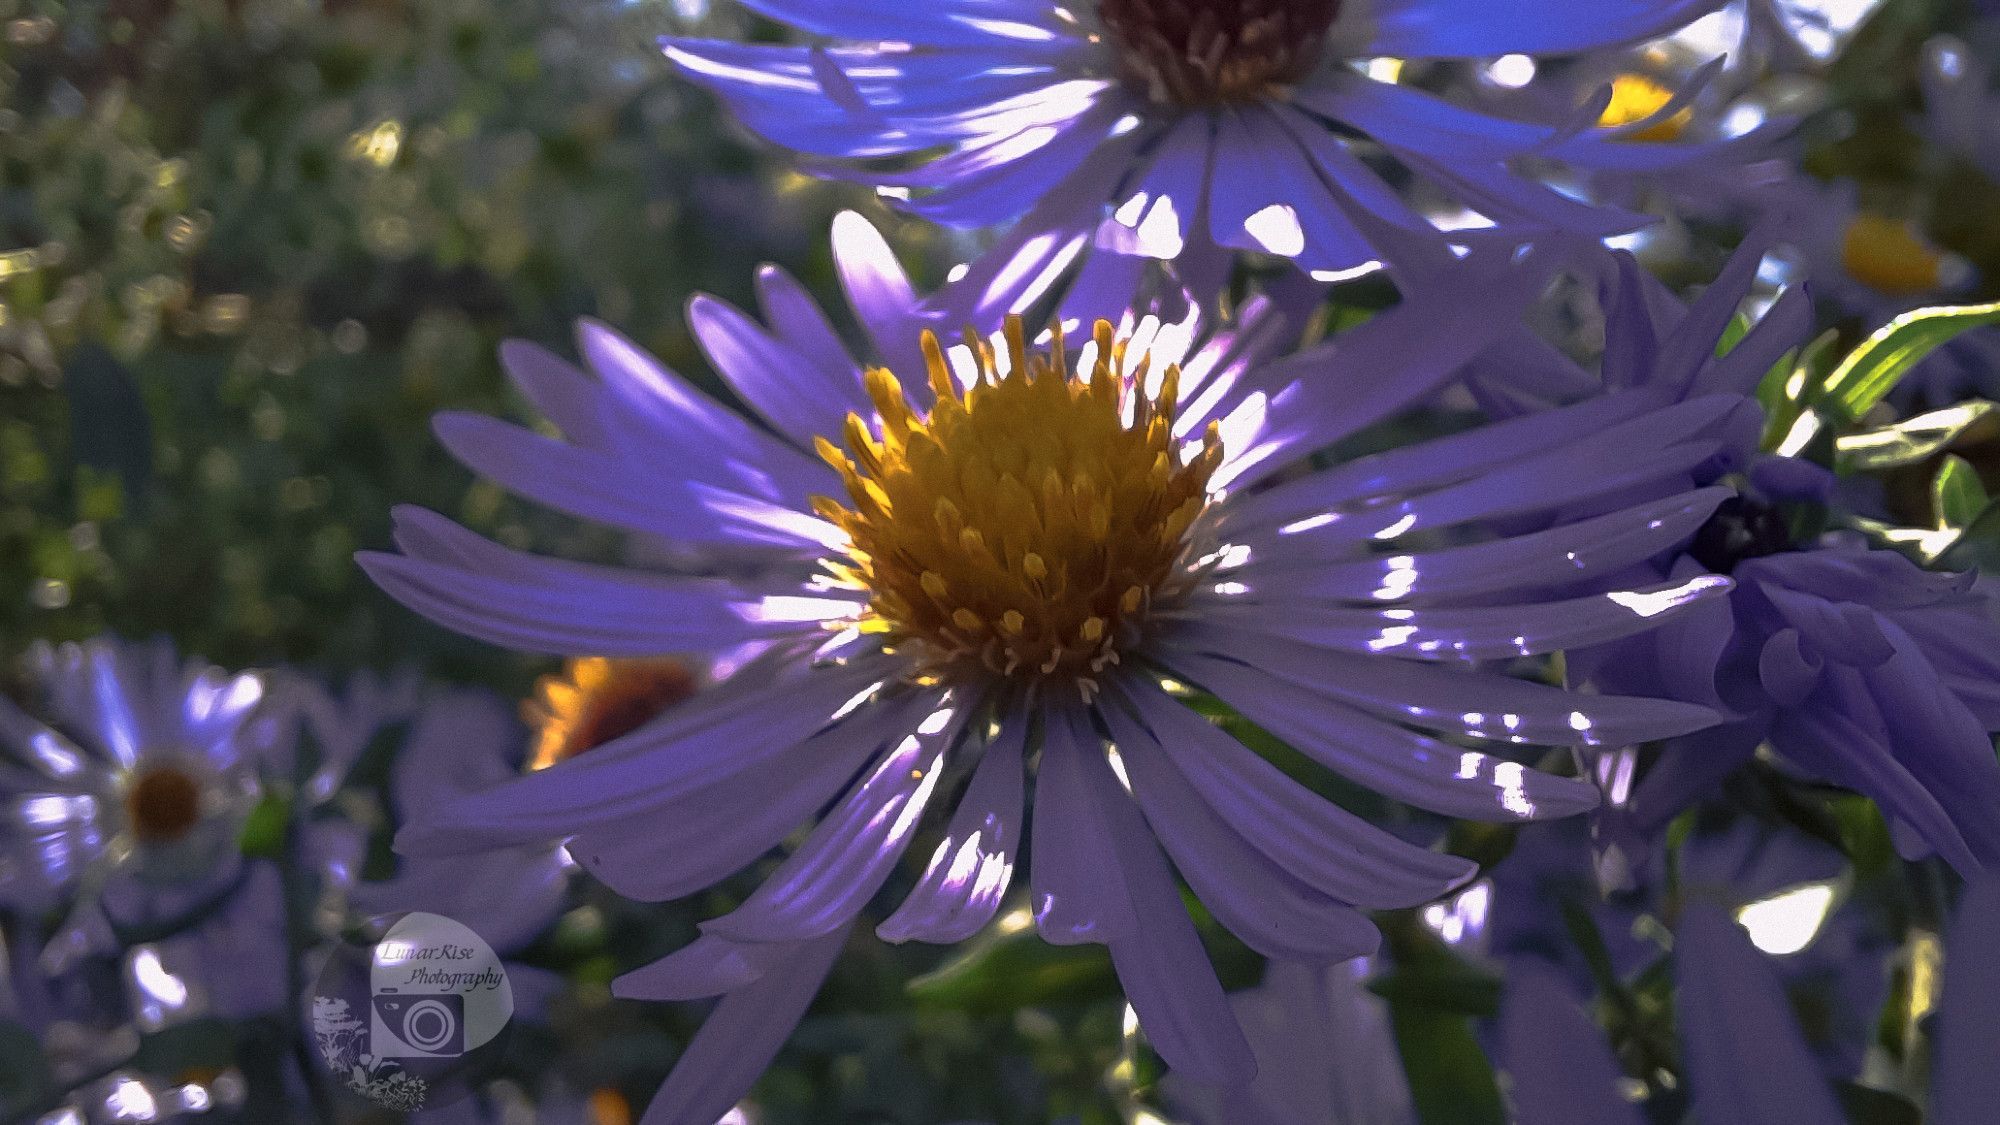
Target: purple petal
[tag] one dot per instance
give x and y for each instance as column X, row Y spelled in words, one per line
column 1562, row 1069
column 968, row 873
column 1965, row 1085
column 1478, row 704
column 1255, row 898
column 1432, row 29
column 1397, row 763
column 719, row 733
column 1075, row 895
column 788, row 389
column 1331, row 849
column 549, row 605
column 719, row 446
column 562, row 392
column 1602, row 545
column 1485, row 632
column 1264, row 195
column 1822, row 739
column 851, row 852
column 1161, row 205
column 936, row 23
column 707, row 966
column 1746, row 1061
column 742, row 1036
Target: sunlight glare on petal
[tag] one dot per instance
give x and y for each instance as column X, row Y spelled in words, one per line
column 1787, row 922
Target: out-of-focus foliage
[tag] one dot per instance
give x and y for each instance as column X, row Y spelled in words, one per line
column 250, row 247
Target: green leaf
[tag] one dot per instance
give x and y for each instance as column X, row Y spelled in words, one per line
column 1429, row 974
column 1863, row 1105
column 1913, row 439
column 1977, row 546
column 1739, row 327
column 1871, row 370
column 1791, row 383
column 1451, row 1081
column 1956, row 494
column 1002, row 972
column 264, row 829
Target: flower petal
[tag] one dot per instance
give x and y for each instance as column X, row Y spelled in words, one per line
column 968, row 874
column 1259, row 901
column 742, row 1035
column 850, row 853
column 1438, row 29
column 1477, row 704
column 1965, row 1085
column 550, row 605
column 1331, row 849
column 1747, row 1064
column 1397, row 763
column 721, row 732
column 1562, row 1069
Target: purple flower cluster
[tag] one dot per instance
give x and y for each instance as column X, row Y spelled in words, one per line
column 1033, row 569
column 1023, row 568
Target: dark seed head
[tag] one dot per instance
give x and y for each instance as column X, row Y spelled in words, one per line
column 1740, row 529
column 1212, row 52
column 161, row 804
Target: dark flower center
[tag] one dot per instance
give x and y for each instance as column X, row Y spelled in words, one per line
column 598, row 700
column 1208, row 52
column 161, row 804
column 1740, row 529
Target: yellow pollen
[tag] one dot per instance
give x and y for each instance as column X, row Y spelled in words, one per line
column 1026, row 526
column 1889, row 255
column 1635, row 97
column 598, row 699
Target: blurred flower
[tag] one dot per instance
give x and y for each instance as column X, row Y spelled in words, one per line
column 1200, row 126
column 463, row 741
column 597, row 700
column 1324, row 1054
column 1761, row 36
column 1745, row 1059
column 1042, row 552
column 133, row 774
column 1855, row 665
column 310, row 738
column 233, row 963
column 1789, row 890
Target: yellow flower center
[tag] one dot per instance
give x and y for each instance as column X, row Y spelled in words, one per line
column 597, row 700
column 1634, row 98
column 609, row 1107
column 1889, row 255
column 1026, row 527
column 161, row 803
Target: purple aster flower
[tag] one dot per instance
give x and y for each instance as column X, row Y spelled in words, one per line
column 1033, row 556
column 125, row 1096
column 131, row 772
column 463, row 741
column 1179, row 129
column 233, row 964
column 1856, row 666
column 313, row 735
column 1745, row 1058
